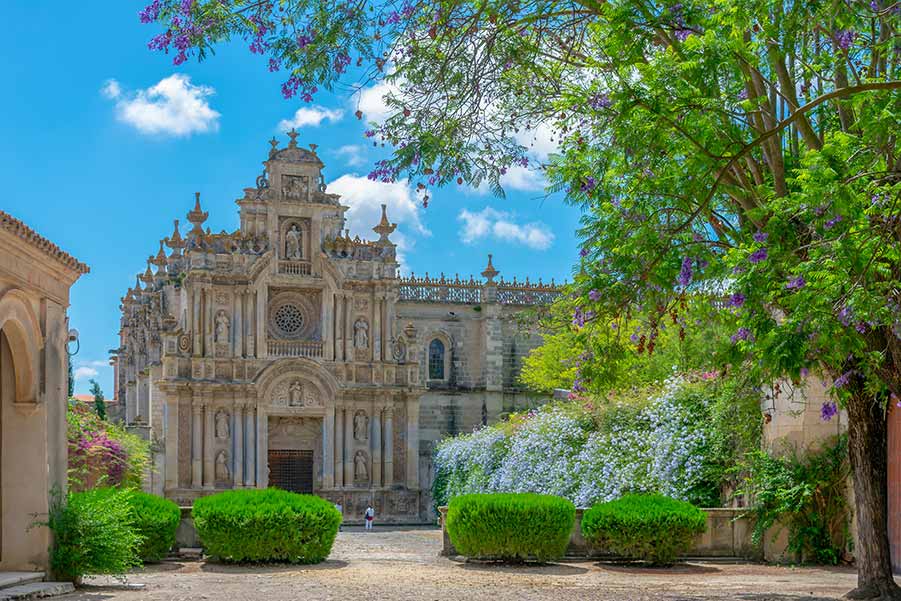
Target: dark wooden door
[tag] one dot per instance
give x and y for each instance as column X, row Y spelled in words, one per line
column 291, row 470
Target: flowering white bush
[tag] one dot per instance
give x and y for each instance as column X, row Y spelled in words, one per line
column 661, row 448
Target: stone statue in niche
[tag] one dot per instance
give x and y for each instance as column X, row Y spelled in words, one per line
column 222, row 325
column 294, row 187
column 222, row 425
column 361, row 470
column 295, row 394
column 222, row 470
column 361, row 425
column 361, row 333
column 293, row 246
column 399, row 350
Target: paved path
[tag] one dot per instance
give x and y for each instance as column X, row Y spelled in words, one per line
column 403, row 565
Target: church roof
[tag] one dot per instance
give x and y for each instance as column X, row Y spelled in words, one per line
column 19, row 229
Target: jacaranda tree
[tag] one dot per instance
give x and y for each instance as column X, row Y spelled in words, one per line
column 746, row 149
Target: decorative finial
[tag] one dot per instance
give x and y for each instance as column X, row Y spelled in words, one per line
column 293, row 135
column 175, row 241
column 384, row 227
column 313, row 148
column 490, row 272
column 197, row 216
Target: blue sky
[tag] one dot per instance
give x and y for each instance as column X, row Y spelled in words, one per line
column 103, row 143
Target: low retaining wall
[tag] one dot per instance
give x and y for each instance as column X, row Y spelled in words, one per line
column 727, row 535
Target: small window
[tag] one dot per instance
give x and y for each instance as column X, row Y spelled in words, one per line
column 436, row 360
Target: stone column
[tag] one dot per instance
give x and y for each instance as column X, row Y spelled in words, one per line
column 250, row 447
column 328, row 448
column 143, row 398
column 377, row 328
column 237, row 324
column 348, row 327
column 195, row 320
column 131, row 401
column 208, row 462
column 262, row 347
column 339, row 447
column 348, row 446
column 375, row 448
column 209, row 324
column 262, row 449
column 172, row 405
column 248, row 323
column 388, row 475
column 197, row 442
column 413, row 443
column 238, row 435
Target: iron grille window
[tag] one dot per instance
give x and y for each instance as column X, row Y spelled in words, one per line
column 436, row 360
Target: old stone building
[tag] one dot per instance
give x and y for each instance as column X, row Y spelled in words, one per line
column 289, row 353
column 35, row 277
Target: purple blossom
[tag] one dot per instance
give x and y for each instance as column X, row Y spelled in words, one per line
column 685, row 273
column 842, row 380
column 795, row 283
column 760, row 236
column 736, row 300
column 844, row 38
column 741, row 334
column 844, row 316
column 588, row 185
column 594, row 294
column 150, row 13
column 583, row 252
column 758, row 255
column 829, row 224
column 804, row 372
column 828, row 410
column 743, row 94
column 599, row 102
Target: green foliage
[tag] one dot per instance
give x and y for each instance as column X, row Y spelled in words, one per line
column 93, row 533
column 510, row 526
column 806, row 494
column 653, row 528
column 102, row 453
column 99, row 404
column 155, row 520
column 266, row 525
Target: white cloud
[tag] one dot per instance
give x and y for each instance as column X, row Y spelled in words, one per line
column 540, row 141
column 353, row 154
column 523, row 178
column 174, row 106
column 82, row 373
column 365, row 197
column 490, row 223
column 372, row 101
column 310, row 116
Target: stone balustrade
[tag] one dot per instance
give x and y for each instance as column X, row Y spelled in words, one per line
column 446, row 290
column 295, row 348
column 294, row 267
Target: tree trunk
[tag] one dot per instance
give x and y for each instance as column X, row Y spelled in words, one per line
column 868, row 447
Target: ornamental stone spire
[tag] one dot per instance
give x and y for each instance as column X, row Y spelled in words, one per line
column 490, row 272
column 197, row 216
column 384, row 227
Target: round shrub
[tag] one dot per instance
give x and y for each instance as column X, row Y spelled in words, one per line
column 156, row 520
column 514, row 526
column 654, row 528
column 266, row 525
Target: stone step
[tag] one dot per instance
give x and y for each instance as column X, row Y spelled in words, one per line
column 36, row 590
column 8, row 579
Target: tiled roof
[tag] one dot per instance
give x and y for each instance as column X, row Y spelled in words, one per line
column 18, row 228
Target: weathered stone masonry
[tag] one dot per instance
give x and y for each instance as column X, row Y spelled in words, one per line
column 288, row 353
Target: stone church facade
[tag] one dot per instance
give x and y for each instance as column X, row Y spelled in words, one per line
column 288, row 353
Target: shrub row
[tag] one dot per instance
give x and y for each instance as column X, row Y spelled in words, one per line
column 266, row 525
column 524, row 526
column 109, row 531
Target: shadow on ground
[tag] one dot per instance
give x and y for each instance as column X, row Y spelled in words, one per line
column 270, row 568
column 641, row 569
column 549, row 569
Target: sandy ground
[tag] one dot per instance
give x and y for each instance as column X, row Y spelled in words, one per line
column 403, row 565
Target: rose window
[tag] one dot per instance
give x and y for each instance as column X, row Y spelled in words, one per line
column 289, row 320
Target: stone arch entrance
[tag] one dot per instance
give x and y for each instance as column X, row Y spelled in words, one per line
column 24, row 475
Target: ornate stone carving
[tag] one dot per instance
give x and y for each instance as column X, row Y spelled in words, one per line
column 223, row 324
column 295, row 393
column 295, row 187
column 223, row 472
column 184, row 343
column 293, row 244
column 221, row 298
column 222, row 424
column 361, row 304
column 399, row 350
column 361, row 467
column 294, row 428
column 361, row 425
column 361, row 333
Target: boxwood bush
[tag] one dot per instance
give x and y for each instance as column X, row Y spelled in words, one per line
column 156, row 520
column 266, row 525
column 653, row 528
column 515, row 526
column 93, row 533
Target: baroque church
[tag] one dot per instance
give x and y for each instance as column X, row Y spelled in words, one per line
column 288, row 353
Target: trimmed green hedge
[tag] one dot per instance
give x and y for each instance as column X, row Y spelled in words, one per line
column 510, row 526
column 266, row 525
column 93, row 533
column 654, row 528
column 156, row 520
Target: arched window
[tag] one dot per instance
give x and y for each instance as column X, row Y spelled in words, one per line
column 436, row 360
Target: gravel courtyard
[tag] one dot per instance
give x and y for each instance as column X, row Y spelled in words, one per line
column 401, row 565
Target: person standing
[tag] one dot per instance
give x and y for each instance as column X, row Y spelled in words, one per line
column 369, row 515
column 341, row 511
